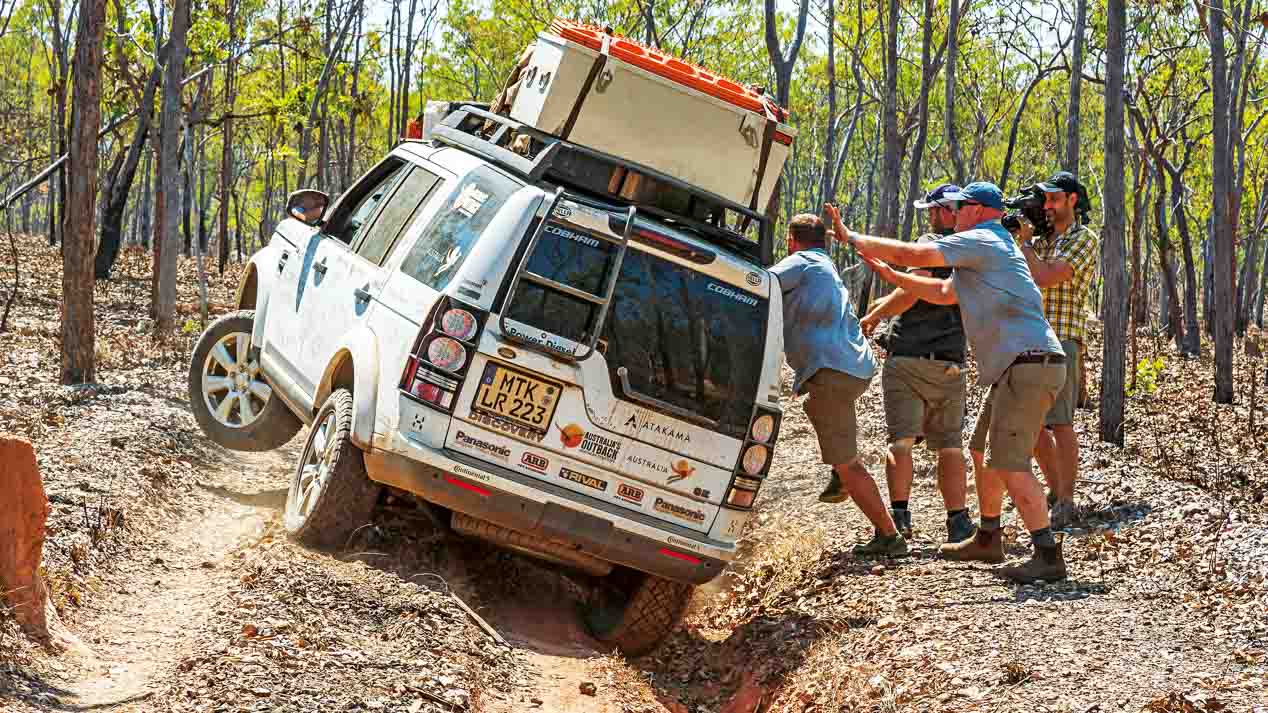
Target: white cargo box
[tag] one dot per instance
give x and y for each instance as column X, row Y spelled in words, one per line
column 651, row 120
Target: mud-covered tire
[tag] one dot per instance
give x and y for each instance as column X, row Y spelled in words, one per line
column 650, row 611
column 330, row 496
column 272, row 425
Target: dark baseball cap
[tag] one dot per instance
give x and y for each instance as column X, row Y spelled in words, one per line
column 1062, row 182
column 984, row 192
column 936, row 197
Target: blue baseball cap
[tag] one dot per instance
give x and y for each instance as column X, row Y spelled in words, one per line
column 937, row 197
column 984, row 192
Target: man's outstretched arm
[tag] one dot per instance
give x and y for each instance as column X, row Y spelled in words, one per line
column 930, row 289
column 895, row 251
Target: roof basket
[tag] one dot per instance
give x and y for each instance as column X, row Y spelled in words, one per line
column 537, row 156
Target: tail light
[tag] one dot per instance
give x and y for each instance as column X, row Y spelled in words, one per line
column 438, row 363
column 754, row 461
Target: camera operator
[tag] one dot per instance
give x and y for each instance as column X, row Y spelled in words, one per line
column 1063, row 265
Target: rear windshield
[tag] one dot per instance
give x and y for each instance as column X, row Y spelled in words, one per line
column 684, row 337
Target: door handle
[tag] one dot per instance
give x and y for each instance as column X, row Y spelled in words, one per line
column 320, row 267
column 362, row 294
column 281, row 261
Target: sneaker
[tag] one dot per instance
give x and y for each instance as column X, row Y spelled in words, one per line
column 902, row 521
column 960, row 528
column 1047, row 563
column 1062, row 514
column 984, row 546
column 881, row 546
column 835, row 492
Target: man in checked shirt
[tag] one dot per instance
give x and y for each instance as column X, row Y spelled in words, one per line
column 1063, row 265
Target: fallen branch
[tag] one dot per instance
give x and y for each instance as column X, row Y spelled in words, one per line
column 479, row 620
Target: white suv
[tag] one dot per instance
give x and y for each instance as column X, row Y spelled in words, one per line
column 533, row 360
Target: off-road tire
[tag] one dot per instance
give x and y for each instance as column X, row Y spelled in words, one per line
column 272, row 428
column 347, row 498
column 652, row 609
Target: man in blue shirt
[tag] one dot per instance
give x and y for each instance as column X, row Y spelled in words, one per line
column 1017, row 353
column 833, row 363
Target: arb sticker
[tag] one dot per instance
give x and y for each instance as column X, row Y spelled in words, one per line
column 629, row 492
column 533, row 461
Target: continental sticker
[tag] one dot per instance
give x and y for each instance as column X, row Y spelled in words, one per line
column 582, row 479
column 679, row 511
column 685, row 544
column 471, row 473
column 489, row 448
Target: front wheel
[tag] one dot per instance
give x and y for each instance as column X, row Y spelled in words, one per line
column 232, row 401
column 330, row 496
column 647, row 612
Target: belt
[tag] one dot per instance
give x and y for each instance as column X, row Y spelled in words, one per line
column 1039, row 358
column 935, row 356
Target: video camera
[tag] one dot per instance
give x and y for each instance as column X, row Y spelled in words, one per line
column 1029, row 203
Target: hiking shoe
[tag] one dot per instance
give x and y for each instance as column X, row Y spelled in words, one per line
column 984, row 546
column 960, row 528
column 835, row 492
column 1063, row 514
column 902, row 521
column 1047, row 563
column 882, row 546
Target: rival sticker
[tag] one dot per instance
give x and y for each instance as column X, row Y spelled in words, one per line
column 587, row 480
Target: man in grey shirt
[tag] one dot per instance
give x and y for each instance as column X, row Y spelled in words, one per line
column 1017, row 353
column 833, row 363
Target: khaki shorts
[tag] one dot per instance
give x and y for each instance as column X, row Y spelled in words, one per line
column 924, row 397
column 830, row 408
column 1014, row 412
column 1062, row 412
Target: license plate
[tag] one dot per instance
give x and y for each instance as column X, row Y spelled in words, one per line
column 515, row 396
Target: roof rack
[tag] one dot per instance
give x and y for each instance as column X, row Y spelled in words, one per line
column 588, row 170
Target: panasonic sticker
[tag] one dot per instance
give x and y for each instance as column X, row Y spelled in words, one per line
column 488, row 448
column 733, row 294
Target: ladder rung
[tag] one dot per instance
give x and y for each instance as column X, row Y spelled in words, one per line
column 571, row 291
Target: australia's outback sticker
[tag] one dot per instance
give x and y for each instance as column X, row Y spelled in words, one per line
column 581, row 478
column 590, row 443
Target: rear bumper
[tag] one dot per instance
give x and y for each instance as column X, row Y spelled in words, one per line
column 487, row 492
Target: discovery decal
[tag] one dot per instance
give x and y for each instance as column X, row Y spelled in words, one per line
column 506, row 427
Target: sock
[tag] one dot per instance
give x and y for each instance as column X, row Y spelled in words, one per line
column 1043, row 538
column 990, row 523
column 898, row 504
column 953, row 514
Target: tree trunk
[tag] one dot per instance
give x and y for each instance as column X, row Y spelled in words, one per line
column 121, row 187
column 80, row 231
column 1223, row 214
column 891, row 161
column 826, row 193
column 226, row 142
column 1175, row 323
column 168, row 208
column 953, row 46
column 1113, row 237
column 922, row 127
column 1076, row 80
column 319, row 93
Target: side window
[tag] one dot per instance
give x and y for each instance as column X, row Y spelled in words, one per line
column 458, row 223
column 398, row 212
column 358, row 206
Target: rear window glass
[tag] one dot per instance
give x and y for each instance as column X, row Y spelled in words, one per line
column 447, row 241
column 684, row 337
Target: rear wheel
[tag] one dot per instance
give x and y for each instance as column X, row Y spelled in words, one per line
column 232, row 401
column 646, row 611
column 330, row 496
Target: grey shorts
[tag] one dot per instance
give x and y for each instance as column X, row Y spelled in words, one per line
column 830, row 408
column 1062, row 411
column 924, row 397
column 1014, row 412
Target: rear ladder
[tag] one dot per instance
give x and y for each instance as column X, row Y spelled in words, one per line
column 602, row 302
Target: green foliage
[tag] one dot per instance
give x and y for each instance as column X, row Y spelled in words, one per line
column 1148, row 372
